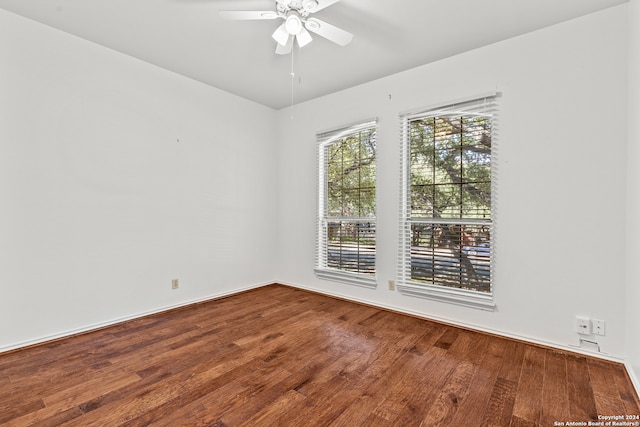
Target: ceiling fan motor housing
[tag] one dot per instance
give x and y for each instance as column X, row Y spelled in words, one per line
column 303, row 7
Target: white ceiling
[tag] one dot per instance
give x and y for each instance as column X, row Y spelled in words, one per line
column 189, row 38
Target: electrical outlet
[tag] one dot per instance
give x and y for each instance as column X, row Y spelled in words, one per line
column 598, row 326
column 392, row 285
column 583, row 325
column 175, row 284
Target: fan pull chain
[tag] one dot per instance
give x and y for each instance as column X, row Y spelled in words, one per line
column 293, row 76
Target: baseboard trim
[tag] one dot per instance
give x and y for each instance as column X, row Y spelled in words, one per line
column 108, row 323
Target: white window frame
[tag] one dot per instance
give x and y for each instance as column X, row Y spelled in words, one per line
column 322, row 270
column 482, row 104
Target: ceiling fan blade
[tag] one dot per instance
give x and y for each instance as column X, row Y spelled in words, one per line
column 324, row 3
column 328, row 31
column 286, row 48
column 281, row 35
column 242, row 15
column 303, row 37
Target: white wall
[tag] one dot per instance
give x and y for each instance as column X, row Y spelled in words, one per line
column 560, row 220
column 633, row 195
column 116, row 177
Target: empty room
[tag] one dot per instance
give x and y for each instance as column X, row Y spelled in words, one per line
column 319, row 213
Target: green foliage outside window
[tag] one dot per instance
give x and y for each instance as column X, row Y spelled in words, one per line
column 351, row 176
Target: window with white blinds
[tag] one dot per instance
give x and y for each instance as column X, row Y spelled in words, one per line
column 346, row 241
column 446, row 204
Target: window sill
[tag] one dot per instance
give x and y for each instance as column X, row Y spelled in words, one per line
column 461, row 297
column 365, row 281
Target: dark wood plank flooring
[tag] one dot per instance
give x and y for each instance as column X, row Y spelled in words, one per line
column 279, row 356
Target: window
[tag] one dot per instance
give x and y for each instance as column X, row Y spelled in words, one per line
column 346, row 248
column 446, row 209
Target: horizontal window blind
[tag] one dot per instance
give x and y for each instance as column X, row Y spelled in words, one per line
column 446, row 205
column 346, row 224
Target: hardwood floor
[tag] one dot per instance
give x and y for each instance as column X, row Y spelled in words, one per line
column 278, row 356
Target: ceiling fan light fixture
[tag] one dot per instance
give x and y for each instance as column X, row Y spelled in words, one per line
column 281, row 35
column 304, row 38
column 293, row 24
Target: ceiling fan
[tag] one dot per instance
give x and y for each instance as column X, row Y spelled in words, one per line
column 297, row 23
